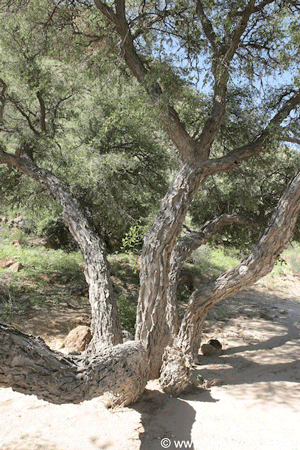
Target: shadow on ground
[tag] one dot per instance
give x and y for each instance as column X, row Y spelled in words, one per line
column 167, row 421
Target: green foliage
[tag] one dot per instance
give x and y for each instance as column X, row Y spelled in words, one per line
column 127, row 313
column 133, row 240
column 184, row 294
column 252, row 191
column 98, row 134
column 38, row 261
column 212, row 261
column 290, row 260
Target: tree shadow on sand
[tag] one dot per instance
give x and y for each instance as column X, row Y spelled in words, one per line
column 166, row 422
column 267, row 357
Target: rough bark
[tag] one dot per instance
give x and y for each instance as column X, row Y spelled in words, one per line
column 156, row 318
column 258, row 264
column 153, row 328
column 182, row 251
column 106, row 328
column 28, row 366
column 2, row 97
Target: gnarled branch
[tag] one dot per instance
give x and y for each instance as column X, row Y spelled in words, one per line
column 258, row 264
column 178, row 358
column 29, row 366
column 105, row 326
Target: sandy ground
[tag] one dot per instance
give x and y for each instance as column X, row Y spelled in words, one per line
column 250, row 401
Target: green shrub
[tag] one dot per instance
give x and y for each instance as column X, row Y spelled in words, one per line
column 127, row 313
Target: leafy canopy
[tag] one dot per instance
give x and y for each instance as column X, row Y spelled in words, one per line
column 80, row 116
column 70, row 100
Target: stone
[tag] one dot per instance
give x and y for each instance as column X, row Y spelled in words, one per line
column 213, row 347
column 127, row 336
column 215, row 343
column 15, row 267
column 6, row 262
column 17, row 243
column 78, row 339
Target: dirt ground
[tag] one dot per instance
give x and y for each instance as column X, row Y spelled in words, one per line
column 251, row 398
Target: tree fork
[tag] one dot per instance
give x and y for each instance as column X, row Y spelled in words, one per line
column 177, row 358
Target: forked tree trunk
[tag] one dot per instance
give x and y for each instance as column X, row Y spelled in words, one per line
column 179, row 357
column 29, row 366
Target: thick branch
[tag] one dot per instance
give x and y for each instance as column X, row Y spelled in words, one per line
column 258, row 264
column 184, row 249
column 174, row 127
column 105, row 326
column 27, row 365
column 195, row 239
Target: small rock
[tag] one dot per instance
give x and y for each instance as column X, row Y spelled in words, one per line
column 78, row 339
column 127, row 336
column 208, row 350
column 213, row 347
column 215, row 343
column 6, row 262
column 15, row 267
column 17, row 243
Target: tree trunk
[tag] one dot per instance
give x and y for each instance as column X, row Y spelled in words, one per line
column 156, row 320
column 27, row 365
column 106, row 327
column 178, row 357
column 184, row 248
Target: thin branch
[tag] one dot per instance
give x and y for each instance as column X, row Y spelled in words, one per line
column 236, row 156
column 175, row 128
column 2, row 97
column 239, row 31
column 223, row 55
column 24, row 114
column 291, row 140
column 195, row 239
column 42, row 112
column 208, row 28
